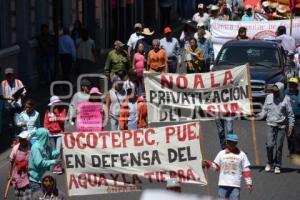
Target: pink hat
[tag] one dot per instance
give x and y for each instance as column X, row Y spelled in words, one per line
column 53, row 100
column 95, row 90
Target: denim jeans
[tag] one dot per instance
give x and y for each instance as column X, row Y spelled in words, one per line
column 34, row 186
column 114, row 124
column 224, row 126
column 275, row 139
column 230, row 193
column 172, row 66
column 56, row 143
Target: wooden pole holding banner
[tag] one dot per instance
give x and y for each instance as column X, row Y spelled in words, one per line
column 291, row 24
column 7, row 188
column 201, row 138
column 253, row 125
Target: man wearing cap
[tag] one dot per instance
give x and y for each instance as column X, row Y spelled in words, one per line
column 117, row 61
column 248, row 16
column 293, row 92
column 19, row 166
column 114, row 100
column 201, row 16
column 232, row 164
column 134, row 37
column 171, row 46
column 11, row 92
column 280, row 120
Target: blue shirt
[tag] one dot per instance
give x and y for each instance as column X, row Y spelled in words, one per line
column 66, row 46
column 171, row 47
column 206, row 46
column 247, row 17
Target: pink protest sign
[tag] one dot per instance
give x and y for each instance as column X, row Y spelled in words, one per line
column 89, row 116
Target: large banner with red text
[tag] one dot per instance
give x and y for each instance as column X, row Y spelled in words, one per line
column 201, row 96
column 127, row 161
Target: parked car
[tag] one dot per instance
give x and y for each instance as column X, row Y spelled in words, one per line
column 266, row 60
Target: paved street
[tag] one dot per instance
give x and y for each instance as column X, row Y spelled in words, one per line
column 267, row 186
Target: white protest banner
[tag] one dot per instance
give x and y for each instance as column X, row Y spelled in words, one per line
column 223, row 31
column 89, row 116
column 125, row 161
column 193, row 97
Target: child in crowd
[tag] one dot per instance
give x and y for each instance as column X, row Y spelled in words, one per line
column 29, row 120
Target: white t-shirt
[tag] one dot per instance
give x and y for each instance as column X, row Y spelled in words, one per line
column 231, row 167
column 203, row 19
column 133, row 39
column 288, row 43
column 84, row 49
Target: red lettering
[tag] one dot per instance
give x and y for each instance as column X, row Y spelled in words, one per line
column 92, row 179
column 191, row 134
column 69, row 137
column 114, row 140
column 169, row 131
column 135, row 178
column 104, row 136
column 164, row 82
column 125, row 181
column 162, row 176
column 102, row 180
column 115, row 178
column 138, row 141
column 173, row 174
column 181, row 176
column 181, row 79
column 227, row 77
column 127, row 135
column 212, row 79
column 190, row 175
column 198, row 81
column 72, row 181
column 94, row 142
column 82, row 180
column 148, row 132
column 234, row 107
column 181, row 135
column 149, row 176
column 81, row 145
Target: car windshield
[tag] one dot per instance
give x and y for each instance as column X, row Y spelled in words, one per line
column 255, row 56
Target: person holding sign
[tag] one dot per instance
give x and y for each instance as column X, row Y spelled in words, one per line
column 90, row 114
column 280, row 119
column 232, row 164
column 54, row 121
column 194, row 58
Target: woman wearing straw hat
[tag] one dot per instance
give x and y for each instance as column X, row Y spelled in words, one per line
column 281, row 13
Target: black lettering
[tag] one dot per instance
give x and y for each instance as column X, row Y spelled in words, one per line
column 155, row 157
column 181, row 156
column 104, row 161
column 153, row 95
column 68, row 162
column 172, row 155
column 96, row 161
column 145, row 157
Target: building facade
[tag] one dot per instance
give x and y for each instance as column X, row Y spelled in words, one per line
column 106, row 20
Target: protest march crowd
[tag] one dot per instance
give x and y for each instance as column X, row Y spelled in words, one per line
column 37, row 145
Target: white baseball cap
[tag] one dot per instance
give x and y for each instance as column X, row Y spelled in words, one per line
column 24, row 135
